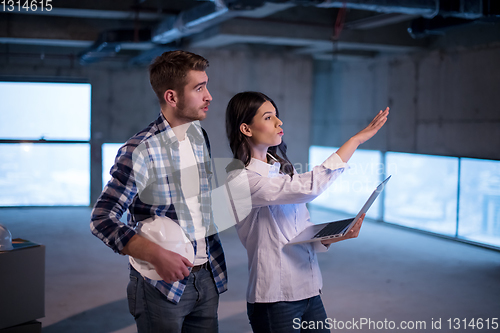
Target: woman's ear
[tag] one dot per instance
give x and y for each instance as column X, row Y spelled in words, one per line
column 245, row 129
column 171, row 97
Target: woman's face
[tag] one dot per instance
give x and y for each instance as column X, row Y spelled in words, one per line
column 265, row 129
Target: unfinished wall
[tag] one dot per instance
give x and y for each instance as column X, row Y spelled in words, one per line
column 442, row 102
column 285, row 79
column 123, row 102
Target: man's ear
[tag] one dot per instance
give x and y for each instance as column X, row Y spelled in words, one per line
column 171, row 97
column 245, row 129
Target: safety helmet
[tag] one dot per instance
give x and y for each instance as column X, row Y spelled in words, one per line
column 5, row 239
column 166, row 233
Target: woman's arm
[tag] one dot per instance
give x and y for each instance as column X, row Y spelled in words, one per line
column 345, row 152
column 283, row 189
column 305, row 187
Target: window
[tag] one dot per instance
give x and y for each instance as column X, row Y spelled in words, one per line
column 50, row 111
column 351, row 190
column 479, row 214
column 451, row 196
column 108, row 152
column 44, row 174
column 422, row 192
column 44, row 143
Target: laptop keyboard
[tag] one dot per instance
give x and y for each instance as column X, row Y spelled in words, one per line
column 333, row 228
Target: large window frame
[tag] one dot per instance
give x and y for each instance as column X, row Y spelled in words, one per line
column 51, row 142
column 457, row 234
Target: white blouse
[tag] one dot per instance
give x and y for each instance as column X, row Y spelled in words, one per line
column 280, row 272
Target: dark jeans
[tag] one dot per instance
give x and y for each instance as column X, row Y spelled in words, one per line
column 196, row 311
column 285, row 317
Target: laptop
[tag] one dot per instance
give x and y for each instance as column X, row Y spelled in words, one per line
column 319, row 232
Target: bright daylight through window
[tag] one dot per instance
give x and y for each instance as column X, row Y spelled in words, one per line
column 452, row 196
column 44, row 144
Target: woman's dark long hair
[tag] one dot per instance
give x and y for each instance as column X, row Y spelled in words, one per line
column 241, row 109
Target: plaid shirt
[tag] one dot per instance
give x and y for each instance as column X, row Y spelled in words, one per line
column 145, row 179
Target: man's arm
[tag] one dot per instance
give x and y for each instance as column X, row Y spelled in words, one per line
column 123, row 239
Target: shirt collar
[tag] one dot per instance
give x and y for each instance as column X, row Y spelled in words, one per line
column 194, row 131
column 264, row 169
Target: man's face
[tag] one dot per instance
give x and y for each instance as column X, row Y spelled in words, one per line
column 193, row 103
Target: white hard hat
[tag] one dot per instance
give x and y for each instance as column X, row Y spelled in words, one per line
column 5, row 239
column 166, row 233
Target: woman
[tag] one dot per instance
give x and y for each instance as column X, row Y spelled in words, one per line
column 284, row 281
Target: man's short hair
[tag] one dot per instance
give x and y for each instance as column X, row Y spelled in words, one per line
column 169, row 71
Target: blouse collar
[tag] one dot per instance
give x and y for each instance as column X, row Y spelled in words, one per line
column 265, row 169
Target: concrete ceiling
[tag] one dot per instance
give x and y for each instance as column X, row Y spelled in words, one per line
column 134, row 31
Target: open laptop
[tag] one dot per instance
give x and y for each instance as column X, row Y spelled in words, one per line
column 319, row 232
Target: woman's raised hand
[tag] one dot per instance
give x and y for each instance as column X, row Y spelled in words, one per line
column 347, row 149
column 369, row 131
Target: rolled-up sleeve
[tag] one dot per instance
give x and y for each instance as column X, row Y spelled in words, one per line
column 334, row 162
column 113, row 202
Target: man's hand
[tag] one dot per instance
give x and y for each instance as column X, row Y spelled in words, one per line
column 353, row 233
column 171, row 266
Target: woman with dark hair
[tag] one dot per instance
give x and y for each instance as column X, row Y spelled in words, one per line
column 284, row 281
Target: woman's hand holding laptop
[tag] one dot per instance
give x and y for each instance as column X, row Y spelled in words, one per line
column 353, row 233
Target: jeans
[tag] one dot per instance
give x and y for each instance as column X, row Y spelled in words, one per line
column 196, row 311
column 307, row 315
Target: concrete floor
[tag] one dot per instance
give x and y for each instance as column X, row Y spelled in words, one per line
column 388, row 273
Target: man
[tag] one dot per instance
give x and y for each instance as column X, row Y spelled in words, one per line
column 162, row 176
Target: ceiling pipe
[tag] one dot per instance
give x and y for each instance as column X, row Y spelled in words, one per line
column 190, row 21
column 379, row 20
column 212, row 12
column 110, row 43
column 422, row 7
column 467, row 9
column 216, row 11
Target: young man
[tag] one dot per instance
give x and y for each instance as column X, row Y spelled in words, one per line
column 162, row 176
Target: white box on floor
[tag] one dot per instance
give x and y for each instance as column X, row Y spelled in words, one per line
column 22, row 285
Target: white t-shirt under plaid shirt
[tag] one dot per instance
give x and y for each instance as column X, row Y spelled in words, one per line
column 191, row 188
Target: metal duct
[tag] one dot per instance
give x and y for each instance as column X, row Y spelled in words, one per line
column 209, row 14
column 109, row 43
column 421, row 27
column 213, row 12
column 190, row 21
column 467, row 9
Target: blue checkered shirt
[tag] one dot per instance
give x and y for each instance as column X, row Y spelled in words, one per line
column 145, row 179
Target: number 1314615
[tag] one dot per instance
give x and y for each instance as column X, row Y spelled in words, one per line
column 26, row 5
